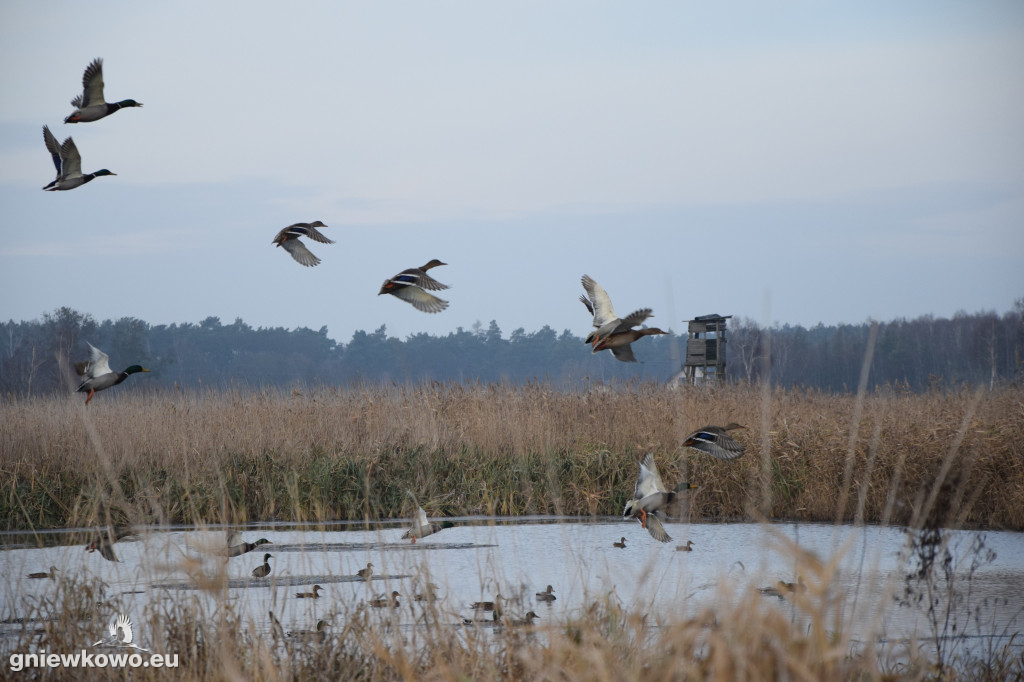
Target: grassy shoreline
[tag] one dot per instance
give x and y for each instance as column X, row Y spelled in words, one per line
column 328, row 454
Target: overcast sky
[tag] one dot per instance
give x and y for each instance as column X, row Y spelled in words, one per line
column 791, row 162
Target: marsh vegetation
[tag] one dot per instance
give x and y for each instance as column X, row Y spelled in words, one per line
column 934, row 460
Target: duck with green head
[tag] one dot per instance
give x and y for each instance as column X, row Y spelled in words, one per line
column 237, row 546
column 264, row 570
column 98, row 375
column 68, row 162
column 90, row 105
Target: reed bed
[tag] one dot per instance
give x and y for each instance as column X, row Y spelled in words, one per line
column 941, row 459
column 349, row 454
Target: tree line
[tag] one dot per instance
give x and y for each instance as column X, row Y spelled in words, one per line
column 37, row 357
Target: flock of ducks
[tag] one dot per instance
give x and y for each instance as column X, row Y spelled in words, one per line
column 89, row 106
column 650, row 497
column 412, row 285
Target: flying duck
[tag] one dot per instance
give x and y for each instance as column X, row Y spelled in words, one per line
column 90, row 105
column 421, row 527
column 289, row 239
column 68, row 163
column 411, row 284
column 605, row 320
column 715, row 441
column 649, row 496
column 97, row 373
column 237, row 547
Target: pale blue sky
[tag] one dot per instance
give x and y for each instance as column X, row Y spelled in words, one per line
column 798, row 162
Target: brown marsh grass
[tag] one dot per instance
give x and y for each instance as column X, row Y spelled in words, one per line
column 350, row 454
column 230, row 456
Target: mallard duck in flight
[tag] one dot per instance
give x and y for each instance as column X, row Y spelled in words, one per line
column 90, row 105
column 715, row 441
column 611, row 332
column 619, row 342
column 68, row 162
column 98, row 375
column 289, row 239
column 650, row 495
column 236, row 546
column 599, row 304
column 422, row 527
column 410, row 285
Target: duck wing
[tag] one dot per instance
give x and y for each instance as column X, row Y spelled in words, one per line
column 317, row 236
column 715, row 442
column 106, row 550
column 300, row 253
column 656, row 529
column 623, row 353
column 71, row 160
column 602, row 304
column 305, row 230
column 421, row 300
column 421, row 519
column 421, row 279
column 97, row 365
column 637, row 317
column 649, row 481
column 92, row 86
column 53, row 147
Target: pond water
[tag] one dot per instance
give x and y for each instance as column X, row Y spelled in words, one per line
column 480, row 558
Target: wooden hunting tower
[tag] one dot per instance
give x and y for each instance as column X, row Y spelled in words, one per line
column 705, row 350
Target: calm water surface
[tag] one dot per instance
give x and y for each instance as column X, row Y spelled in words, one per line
column 518, row 558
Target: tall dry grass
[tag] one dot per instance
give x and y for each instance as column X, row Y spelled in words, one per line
column 939, row 458
column 209, row 456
